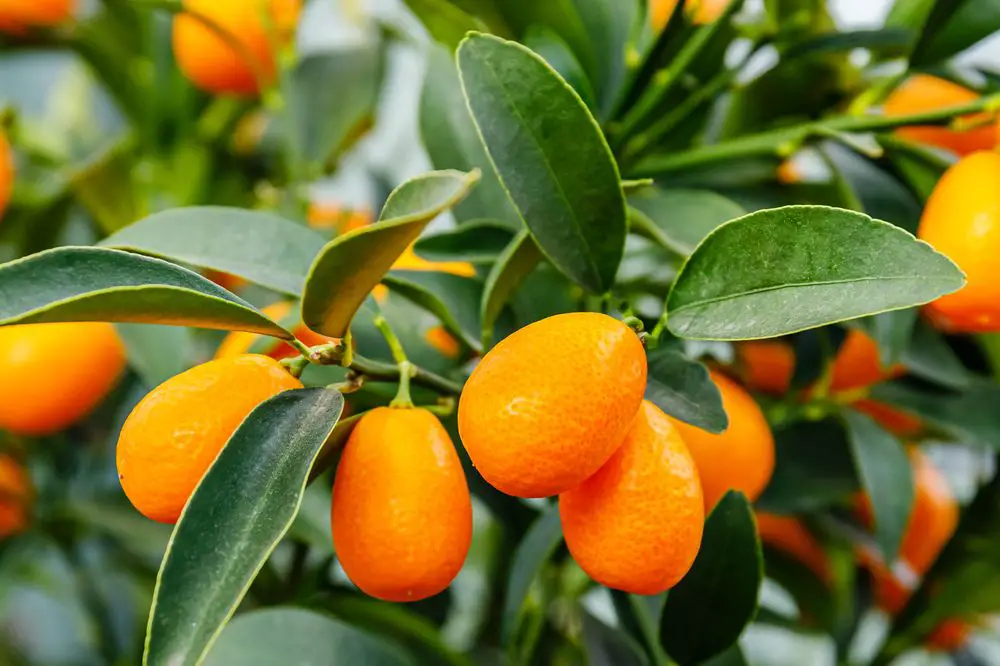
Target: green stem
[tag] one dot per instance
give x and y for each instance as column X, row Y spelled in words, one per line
column 382, row 324
column 376, row 371
column 649, row 634
column 786, row 140
column 406, row 369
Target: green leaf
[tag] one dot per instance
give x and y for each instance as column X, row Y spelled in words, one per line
column 892, row 332
column 479, row 241
column 813, row 468
column 531, row 555
column 789, row 269
column 680, row 219
column 920, row 167
column 707, row 611
column 952, row 27
column 333, row 95
column 970, row 415
column 237, row 515
column 550, row 155
column 451, row 298
column 296, row 636
column 350, row 266
column 511, row 268
column 731, row 657
column 145, row 345
column 886, row 476
column 98, row 284
column 683, row 389
column 444, row 21
column 263, row 248
column 561, row 58
column 609, row 647
column 930, row 357
column 452, row 142
column 610, row 24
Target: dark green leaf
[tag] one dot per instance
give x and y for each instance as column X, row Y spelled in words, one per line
column 910, row 14
column 480, row 241
column 99, row 284
column 296, row 636
column 970, row 415
column 531, row 555
column 886, row 476
column 452, row 142
column 550, row 155
column 892, row 331
column 639, row 616
column 511, row 268
column 952, row 27
column 682, row 218
column 609, row 647
column 560, row 57
column 233, row 521
column 682, row 388
column 707, row 611
column 930, row 357
column 611, row 24
column 350, row 266
column 145, row 345
column 446, row 22
column 731, row 657
column 560, row 16
column 451, row 298
column 261, row 247
column 789, row 269
column 920, row 167
column 333, row 94
column 813, row 469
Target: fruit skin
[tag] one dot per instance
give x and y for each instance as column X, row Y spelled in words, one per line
column 546, row 407
column 962, row 220
column 215, row 66
column 767, row 365
column 790, row 536
column 15, row 497
column 173, row 435
column 857, row 364
column 923, row 93
column 6, row 172
column 238, row 343
column 53, row 375
column 636, row 525
column 742, row 457
column 18, row 15
column 402, row 515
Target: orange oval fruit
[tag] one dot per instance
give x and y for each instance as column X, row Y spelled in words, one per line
column 212, row 62
column 857, row 364
column 742, row 457
column 962, row 220
column 790, row 536
column 15, row 497
column 6, row 172
column 934, row 516
column 333, row 217
column 923, row 93
column 18, row 15
column 949, row 636
column 174, row 434
column 636, row 524
column 402, row 515
column 546, row 407
column 766, row 365
column 238, row 343
column 53, row 375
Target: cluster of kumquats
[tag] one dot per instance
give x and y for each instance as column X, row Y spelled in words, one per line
column 556, row 408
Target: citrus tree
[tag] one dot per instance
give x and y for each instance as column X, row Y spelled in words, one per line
column 681, row 351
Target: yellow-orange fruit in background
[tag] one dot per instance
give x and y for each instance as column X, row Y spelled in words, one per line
column 18, row 15
column 6, row 172
column 443, row 341
column 53, row 375
column 175, row 433
column 212, row 63
column 15, row 497
column 402, row 515
column 790, row 536
column 546, row 407
column 742, row 457
column 857, row 364
column 949, row 636
column 636, row 524
column 894, row 420
column 766, row 365
column 700, row 11
column 923, row 93
column 332, row 216
column 240, row 342
column 962, row 220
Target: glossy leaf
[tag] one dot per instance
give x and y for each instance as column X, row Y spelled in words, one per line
column 930, row 357
column 731, row 657
column 610, row 24
column 237, row 515
column 707, row 611
column 100, row 284
column 682, row 388
column 953, row 26
column 892, row 332
column 531, row 555
column 263, row 248
column 480, row 241
column 789, row 269
column 970, row 415
column 452, row 142
column 296, row 636
column 446, row 22
column 681, row 218
column 144, row 345
column 561, row 58
column 886, row 477
column 550, row 155
column 511, row 268
column 609, row 647
column 350, row 266
column 451, row 298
